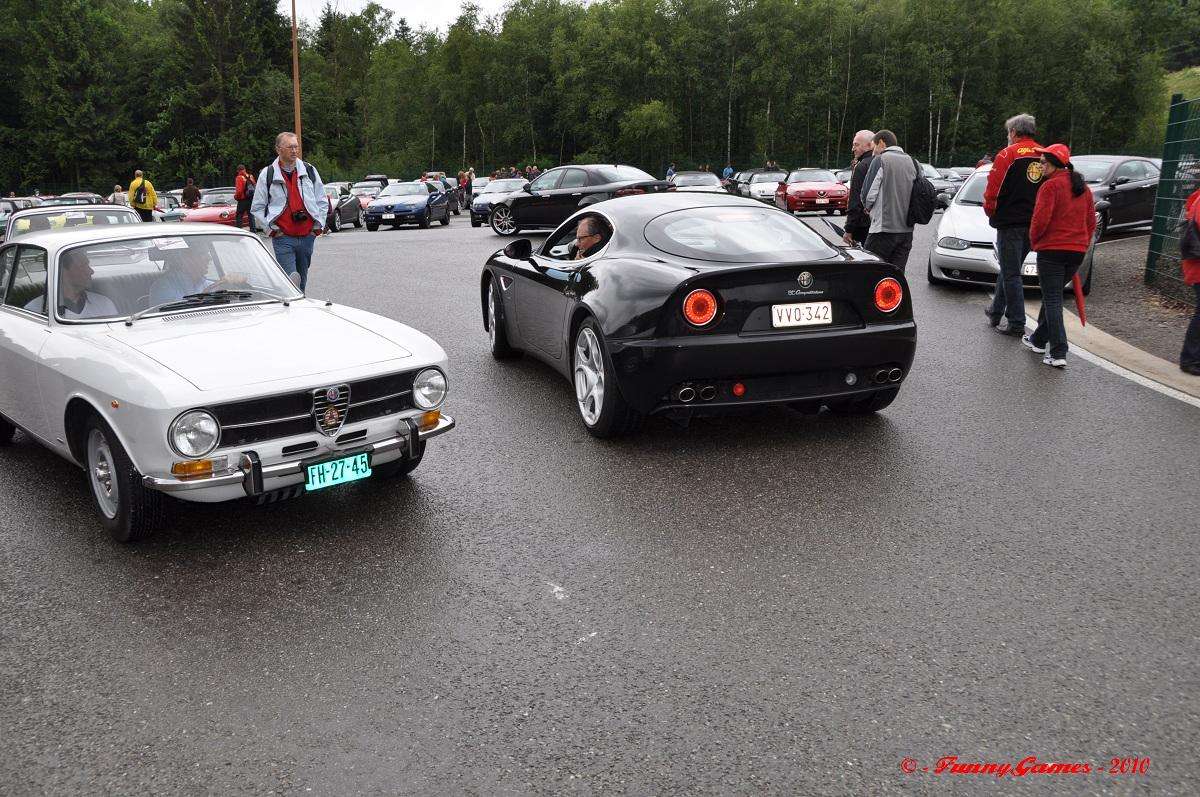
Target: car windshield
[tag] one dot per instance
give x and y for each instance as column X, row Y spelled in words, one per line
column 66, row 200
column 697, row 179
column 116, row 279
column 1092, row 171
column 404, row 189
column 812, row 176
column 619, row 174
column 930, row 172
column 210, row 198
column 736, row 235
column 502, row 186
column 8, row 207
column 768, row 177
column 366, row 190
column 972, row 191
column 67, row 218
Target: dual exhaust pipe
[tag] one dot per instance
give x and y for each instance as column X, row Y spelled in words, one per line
column 885, row 375
column 688, row 393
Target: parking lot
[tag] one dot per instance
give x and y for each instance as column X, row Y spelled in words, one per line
column 1000, row 564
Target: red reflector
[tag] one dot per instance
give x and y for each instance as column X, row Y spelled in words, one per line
column 888, row 295
column 700, row 307
column 739, row 389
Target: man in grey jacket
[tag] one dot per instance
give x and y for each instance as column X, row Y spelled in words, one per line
column 886, row 193
column 291, row 205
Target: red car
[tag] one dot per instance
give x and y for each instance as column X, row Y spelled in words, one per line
column 812, row 189
column 217, row 206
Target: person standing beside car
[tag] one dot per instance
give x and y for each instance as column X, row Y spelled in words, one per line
column 858, row 222
column 1012, row 188
column 243, row 193
column 1060, row 231
column 141, row 196
column 291, row 205
column 1189, row 358
column 190, row 198
column 886, row 194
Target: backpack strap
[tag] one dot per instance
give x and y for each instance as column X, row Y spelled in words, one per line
column 269, row 177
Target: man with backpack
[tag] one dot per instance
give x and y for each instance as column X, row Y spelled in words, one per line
column 141, row 196
column 291, row 205
column 243, row 193
column 887, row 194
column 1008, row 200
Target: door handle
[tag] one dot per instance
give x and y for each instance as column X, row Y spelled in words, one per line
column 577, row 193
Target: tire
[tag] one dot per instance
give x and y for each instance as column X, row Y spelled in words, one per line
column 425, row 220
column 372, row 227
column 399, row 468
column 456, row 208
column 929, row 273
column 497, row 332
column 502, row 222
column 604, row 414
column 7, row 432
column 865, row 405
column 476, row 222
column 358, row 220
column 127, row 509
column 336, row 223
column 445, row 220
column 1103, row 224
column 829, row 211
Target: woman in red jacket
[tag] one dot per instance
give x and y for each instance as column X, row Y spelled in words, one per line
column 1189, row 359
column 1064, row 219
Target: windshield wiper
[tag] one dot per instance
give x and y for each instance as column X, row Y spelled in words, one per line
column 203, row 300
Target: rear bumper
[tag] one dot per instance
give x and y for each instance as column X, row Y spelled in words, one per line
column 774, row 367
column 250, row 477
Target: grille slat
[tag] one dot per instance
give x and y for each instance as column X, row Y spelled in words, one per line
column 290, row 414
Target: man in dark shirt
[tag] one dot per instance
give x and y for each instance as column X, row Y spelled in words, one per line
column 191, row 195
column 858, row 222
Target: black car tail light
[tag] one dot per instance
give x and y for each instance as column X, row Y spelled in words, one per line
column 700, row 307
column 888, row 295
column 629, row 191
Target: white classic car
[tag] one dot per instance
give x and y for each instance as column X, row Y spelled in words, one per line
column 181, row 359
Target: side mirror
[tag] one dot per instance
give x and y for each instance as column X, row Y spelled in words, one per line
column 520, row 249
column 1102, row 204
column 1119, row 181
column 527, row 189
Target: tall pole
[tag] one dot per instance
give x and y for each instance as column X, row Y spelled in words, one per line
column 296, row 79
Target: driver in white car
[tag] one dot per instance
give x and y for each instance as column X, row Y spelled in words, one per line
column 75, row 300
column 187, row 275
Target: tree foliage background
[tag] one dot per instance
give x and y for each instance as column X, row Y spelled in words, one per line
column 96, row 88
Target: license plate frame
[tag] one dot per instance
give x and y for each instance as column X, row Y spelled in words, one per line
column 801, row 314
column 331, row 476
column 1029, row 270
column 823, row 201
column 388, row 216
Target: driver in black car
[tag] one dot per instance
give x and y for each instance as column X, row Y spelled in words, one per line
column 589, row 237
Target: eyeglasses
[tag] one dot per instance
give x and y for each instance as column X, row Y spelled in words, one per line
column 289, row 146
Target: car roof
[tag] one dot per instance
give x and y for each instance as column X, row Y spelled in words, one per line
column 639, row 209
column 79, row 207
column 55, row 240
column 694, row 171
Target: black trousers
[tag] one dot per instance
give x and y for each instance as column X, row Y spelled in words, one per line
column 891, row 247
column 243, row 209
column 1191, row 339
column 147, row 215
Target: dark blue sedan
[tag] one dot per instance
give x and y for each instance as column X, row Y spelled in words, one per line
column 408, row 203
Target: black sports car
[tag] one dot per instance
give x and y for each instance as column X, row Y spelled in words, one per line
column 559, row 192
column 684, row 302
column 344, row 208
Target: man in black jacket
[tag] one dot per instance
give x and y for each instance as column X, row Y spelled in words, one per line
column 858, row 221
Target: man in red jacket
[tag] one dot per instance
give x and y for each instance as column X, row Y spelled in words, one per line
column 243, row 186
column 1189, row 359
column 1012, row 187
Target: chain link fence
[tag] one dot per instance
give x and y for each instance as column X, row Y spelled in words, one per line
column 1180, row 177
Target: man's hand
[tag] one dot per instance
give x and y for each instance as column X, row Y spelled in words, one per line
column 848, row 238
column 317, row 231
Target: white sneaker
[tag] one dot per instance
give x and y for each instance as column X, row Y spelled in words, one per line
column 1057, row 362
column 1028, row 341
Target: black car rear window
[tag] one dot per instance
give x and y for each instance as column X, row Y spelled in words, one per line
column 736, row 234
column 619, row 174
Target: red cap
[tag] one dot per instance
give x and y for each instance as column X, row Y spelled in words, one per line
column 1059, row 151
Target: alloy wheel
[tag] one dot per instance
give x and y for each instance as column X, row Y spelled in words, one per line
column 589, row 376
column 502, row 220
column 492, row 313
column 102, row 474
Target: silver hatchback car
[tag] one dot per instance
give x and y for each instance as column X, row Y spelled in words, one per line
column 964, row 249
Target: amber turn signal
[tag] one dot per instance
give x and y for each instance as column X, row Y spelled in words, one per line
column 888, row 294
column 700, row 307
column 192, row 469
column 429, row 420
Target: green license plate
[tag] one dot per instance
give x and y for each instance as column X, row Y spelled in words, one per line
column 337, row 471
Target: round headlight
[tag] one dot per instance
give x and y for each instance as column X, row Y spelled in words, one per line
column 194, row 433
column 429, row 388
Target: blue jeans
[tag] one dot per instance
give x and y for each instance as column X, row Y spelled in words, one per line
column 1055, row 270
column 294, row 254
column 1012, row 244
column 1191, row 339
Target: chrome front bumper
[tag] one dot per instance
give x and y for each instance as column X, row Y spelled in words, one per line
column 250, row 473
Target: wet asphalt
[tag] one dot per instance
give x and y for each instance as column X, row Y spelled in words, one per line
column 1000, row 565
